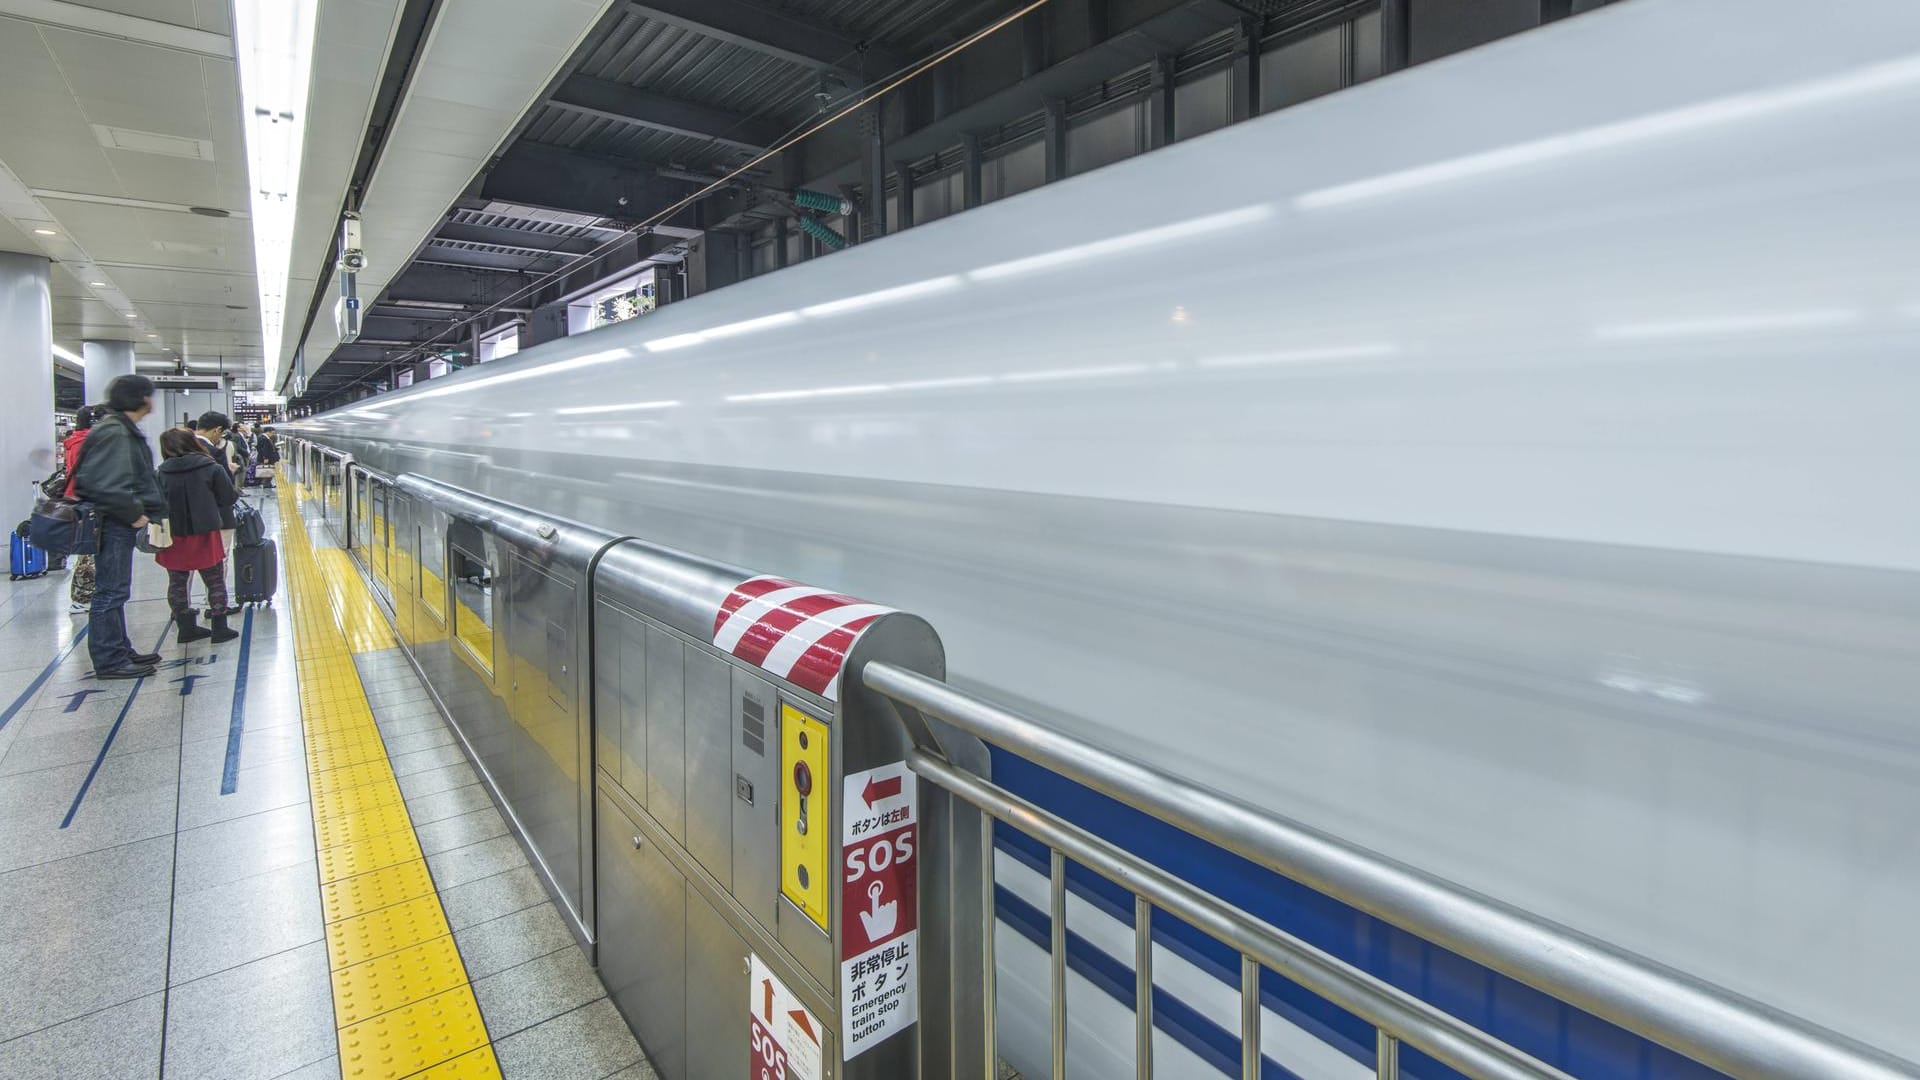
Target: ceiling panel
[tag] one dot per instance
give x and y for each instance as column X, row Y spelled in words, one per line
column 485, row 63
column 12, row 239
column 178, row 180
column 127, row 84
column 188, row 278
column 212, row 16
column 354, row 36
column 188, row 287
column 177, row 12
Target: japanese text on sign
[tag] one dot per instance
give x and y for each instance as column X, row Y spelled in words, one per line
column 785, row 1036
column 879, row 906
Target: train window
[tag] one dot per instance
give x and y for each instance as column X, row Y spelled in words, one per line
column 433, row 582
column 378, row 542
column 473, row 606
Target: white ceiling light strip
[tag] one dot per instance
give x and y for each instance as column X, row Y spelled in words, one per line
column 274, row 45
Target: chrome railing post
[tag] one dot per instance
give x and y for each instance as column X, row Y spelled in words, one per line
column 1058, row 908
column 1710, row 1024
column 988, row 902
column 1142, row 988
column 1386, row 1053
column 1249, row 1018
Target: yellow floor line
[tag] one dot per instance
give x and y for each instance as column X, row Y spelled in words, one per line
column 401, row 997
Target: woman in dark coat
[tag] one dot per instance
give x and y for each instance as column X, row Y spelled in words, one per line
column 200, row 497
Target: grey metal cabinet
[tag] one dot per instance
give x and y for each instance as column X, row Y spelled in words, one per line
column 643, row 945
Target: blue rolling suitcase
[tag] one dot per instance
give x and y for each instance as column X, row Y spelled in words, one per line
column 28, row 561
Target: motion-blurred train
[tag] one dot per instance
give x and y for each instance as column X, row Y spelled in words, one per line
column 1508, row 466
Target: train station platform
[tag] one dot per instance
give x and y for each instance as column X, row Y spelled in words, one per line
column 269, row 859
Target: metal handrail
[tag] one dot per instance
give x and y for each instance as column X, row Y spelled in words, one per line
column 1392, row 1011
column 1709, row 1024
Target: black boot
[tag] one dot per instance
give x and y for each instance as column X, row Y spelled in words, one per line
column 190, row 628
column 220, row 631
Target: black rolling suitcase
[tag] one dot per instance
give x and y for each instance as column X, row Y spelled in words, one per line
column 256, row 572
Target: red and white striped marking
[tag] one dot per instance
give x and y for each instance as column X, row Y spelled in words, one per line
column 798, row 632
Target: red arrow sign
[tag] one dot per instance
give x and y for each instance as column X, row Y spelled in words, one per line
column 878, row 789
column 806, row 1025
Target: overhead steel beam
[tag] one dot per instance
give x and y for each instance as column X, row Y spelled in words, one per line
column 1396, row 35
column 448, row 285
column 772, row 33
column 988, row 102
column 531, row 174
column 529, row 260
column 411, row 331
column 519, row 239
column 635, row 107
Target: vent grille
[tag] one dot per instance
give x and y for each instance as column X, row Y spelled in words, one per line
column 753, row 725
column 152, row 142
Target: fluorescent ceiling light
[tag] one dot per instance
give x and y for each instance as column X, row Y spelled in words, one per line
column 68, row 356
column 274, row 42
column 97, row 284
column 46, row 232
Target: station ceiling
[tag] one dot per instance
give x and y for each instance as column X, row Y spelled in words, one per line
column 122, row 160
column 655, row 98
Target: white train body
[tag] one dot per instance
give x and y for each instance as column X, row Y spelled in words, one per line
column 1509, row 466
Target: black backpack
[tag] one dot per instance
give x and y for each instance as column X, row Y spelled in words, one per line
column 249, row 528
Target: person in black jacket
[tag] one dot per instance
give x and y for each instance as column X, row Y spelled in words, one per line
column 115, row 473
column 269, row 452
column 199, row 495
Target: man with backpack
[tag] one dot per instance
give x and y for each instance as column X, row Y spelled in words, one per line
column 80, row 590
column 115, row 474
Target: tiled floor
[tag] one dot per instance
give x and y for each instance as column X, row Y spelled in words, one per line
column 152, row 925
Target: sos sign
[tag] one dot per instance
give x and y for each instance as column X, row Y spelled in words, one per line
column 885, row 853
column 769, row 1057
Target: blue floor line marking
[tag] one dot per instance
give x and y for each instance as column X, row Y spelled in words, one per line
column 40, row 681
column 236, row 725
column 86, row 784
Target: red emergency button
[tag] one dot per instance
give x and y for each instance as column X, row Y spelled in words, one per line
column 803, row 779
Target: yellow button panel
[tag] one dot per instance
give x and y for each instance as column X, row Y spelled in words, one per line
column 806, row 812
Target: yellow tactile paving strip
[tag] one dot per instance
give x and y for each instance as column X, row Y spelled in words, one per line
column 401, row 997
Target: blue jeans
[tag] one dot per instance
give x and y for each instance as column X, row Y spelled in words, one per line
column 112, row 584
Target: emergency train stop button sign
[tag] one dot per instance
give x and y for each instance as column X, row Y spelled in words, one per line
column 786, row 1037
column 879, row 907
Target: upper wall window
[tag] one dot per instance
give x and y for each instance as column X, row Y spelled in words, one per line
column 500, row 344
column 628, row 298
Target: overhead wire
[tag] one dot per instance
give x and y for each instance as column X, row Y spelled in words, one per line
column 798, row 133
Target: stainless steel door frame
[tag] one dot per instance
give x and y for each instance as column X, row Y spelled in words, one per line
column 567, row 552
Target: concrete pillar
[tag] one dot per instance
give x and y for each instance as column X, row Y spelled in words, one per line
column 1055, row 137
column 27, row 452
column 873, row 218
column 1160, row 110
column 547, row 323
column 713, row 261
column 106, row 361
